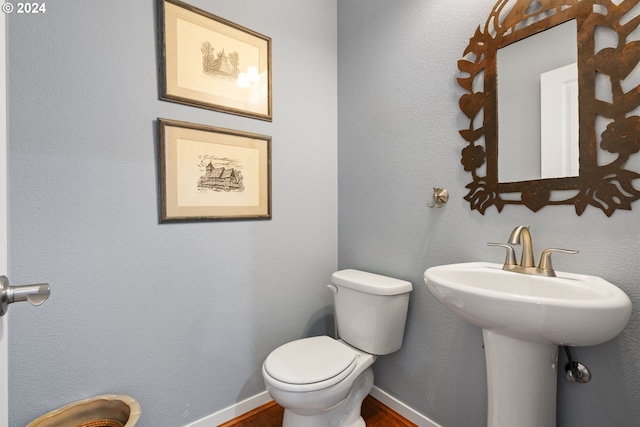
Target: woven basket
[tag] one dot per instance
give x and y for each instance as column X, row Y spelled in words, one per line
column 108, row 410
column 102, row 423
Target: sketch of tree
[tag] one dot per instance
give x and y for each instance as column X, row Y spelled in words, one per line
column 234, row 61
column 208, row 58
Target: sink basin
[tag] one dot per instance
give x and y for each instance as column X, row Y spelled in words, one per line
column 570, row 309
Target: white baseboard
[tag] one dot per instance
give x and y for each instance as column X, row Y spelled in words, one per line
column 233, row 411
column 402, row 409
column 258, row 400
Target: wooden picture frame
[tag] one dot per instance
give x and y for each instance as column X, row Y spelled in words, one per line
column 209, row 173
column 209, row 62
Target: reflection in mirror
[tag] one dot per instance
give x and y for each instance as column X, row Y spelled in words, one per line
column 608, row 107
column 559, row 154
column 522, row 68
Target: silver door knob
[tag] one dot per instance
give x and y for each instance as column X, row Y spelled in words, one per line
column 35, row 294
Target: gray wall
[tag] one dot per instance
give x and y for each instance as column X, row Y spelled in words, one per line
column 398, row 127
column 179, row 316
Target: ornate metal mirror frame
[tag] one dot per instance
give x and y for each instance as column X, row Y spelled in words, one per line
column 605, row 186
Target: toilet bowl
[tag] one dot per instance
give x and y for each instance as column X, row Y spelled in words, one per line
column 321, row 381
column 326, row 380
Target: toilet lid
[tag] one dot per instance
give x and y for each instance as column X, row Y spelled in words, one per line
column 310, row 360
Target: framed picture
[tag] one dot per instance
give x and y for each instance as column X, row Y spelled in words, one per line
column 209, row 62
column 208, row 173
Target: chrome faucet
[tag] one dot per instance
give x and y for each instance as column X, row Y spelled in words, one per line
column 519, row 235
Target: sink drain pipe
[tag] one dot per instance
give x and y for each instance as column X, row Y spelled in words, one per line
column 575, row 371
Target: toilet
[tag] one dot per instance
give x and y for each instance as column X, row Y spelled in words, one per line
column 321, row 381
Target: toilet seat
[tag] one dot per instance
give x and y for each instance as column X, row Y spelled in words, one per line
column 310, row 364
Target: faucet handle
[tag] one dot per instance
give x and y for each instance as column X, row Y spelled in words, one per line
column 545, row 257
column 511, row 254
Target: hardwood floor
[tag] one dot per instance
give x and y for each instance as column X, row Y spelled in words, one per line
column 375, row 414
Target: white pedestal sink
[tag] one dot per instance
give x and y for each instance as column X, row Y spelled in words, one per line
column 524, row 319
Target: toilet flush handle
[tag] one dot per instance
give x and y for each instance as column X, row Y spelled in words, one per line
column 333, row 287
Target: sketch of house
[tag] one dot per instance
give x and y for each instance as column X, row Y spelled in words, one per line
column 219, row 63
column 221, row 179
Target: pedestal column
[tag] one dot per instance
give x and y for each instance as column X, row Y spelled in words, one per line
column 521, row 382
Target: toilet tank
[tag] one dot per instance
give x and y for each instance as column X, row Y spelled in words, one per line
column 371, row 310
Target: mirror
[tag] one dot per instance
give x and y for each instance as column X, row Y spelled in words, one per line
column 536, row 84
column 596, row 171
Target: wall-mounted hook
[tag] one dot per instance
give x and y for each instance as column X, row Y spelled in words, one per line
column 440, row 197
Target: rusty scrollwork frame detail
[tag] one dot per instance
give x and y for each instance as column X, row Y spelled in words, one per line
column 605, row 186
